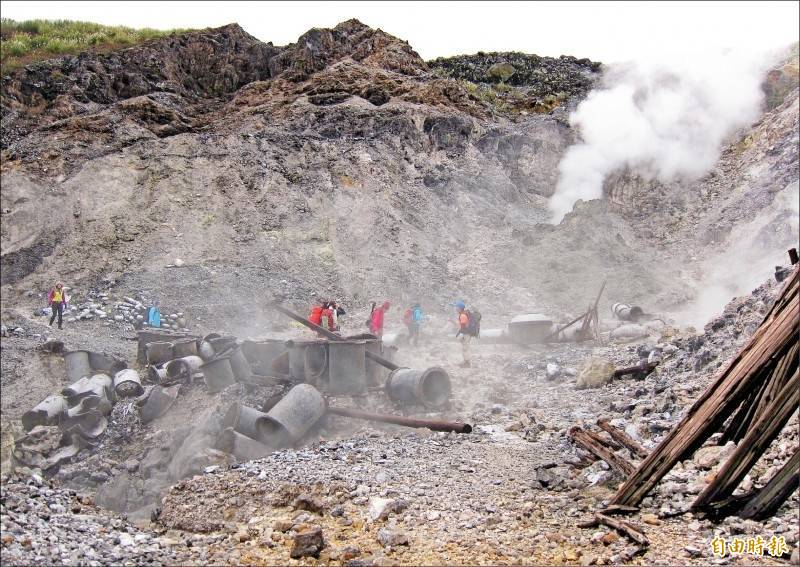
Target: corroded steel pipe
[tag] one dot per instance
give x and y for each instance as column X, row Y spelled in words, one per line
column 433, row 425
column 331, row 335
column 641, row 368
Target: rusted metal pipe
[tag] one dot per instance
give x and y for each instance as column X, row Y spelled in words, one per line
column 433, row 425
column 331, row 335
column 641, row 368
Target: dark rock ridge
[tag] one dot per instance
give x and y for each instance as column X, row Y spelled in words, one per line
column 544, row 75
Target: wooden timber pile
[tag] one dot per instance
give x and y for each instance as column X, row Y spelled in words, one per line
column 751, row 399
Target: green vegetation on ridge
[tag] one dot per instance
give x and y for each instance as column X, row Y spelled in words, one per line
column 33, row 40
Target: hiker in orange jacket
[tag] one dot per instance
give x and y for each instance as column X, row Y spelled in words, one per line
column 57, row 300
column 316, row 314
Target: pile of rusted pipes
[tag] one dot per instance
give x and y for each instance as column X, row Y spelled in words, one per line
column 250, row 434
column 351, row 365
column 80, row 409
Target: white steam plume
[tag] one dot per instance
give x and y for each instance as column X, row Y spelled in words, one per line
column 662, row 118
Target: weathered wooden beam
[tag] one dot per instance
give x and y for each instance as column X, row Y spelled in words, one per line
column 625, row 528
column 753, row 407
column 616, row 462
column 784, row 367
column 754, row 444
column 767, row 500
column 732, row 385
column 622, row 438
column 617, row 510
column 605, row 441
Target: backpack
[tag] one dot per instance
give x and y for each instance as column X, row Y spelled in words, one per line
column 474, row 324
column 408, row 317
column 154, row 317
column 417, row 316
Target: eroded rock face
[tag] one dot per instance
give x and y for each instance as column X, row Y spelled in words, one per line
column 198, row 64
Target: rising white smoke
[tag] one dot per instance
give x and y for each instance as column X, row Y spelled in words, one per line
column 662, row 118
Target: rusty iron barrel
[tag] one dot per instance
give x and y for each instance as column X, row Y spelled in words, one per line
column 432, row 424
column 331, row 335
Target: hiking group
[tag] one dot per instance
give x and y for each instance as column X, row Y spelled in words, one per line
column 326, row 314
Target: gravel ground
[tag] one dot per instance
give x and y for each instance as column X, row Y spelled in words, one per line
column 512, row 492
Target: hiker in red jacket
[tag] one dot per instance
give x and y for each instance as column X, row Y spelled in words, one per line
column 57, row 300
column 376, row 320
column 327, row 316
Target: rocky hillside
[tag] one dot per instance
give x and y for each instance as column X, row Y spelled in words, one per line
column 342, row 165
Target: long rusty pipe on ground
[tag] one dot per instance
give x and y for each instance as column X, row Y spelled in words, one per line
column 331, row 335
column 434, row 425
column 645, row 368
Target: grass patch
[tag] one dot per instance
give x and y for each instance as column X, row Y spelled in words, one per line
column 26, row 42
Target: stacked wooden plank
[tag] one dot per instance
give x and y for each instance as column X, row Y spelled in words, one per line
column 758, row 391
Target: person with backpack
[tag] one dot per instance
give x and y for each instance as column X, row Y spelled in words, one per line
column 327, row 318
column 57, row 299
column 154, row 315
column 376, row 319
column 469, row 326
column 316, row 314
column 412, row 318
column 336, row 312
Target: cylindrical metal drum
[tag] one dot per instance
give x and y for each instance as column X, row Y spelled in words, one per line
column 430, row 387
column 47, row 412
column 221, row 343
column 239, row 365
column 205, row 350
column 240, row 446
column 292, row 417
column 247, row 421
column 218, row 374
column 185, row 347
column 316, row 363
column 77, row 362
column 261, row 354
column 159, row 352
column 182, row 369
column 127, row 383
column 347, row 367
